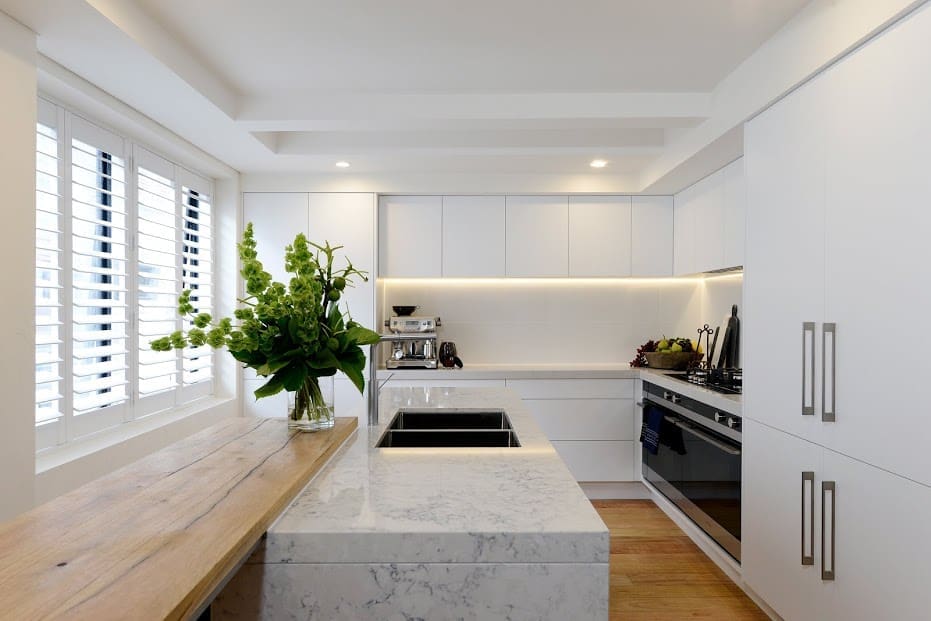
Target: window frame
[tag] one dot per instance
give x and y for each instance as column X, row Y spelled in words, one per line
column 69, row 427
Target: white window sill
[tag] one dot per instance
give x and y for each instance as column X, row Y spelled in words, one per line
column 207, row 409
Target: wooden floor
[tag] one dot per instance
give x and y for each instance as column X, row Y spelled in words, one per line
column 657, row 573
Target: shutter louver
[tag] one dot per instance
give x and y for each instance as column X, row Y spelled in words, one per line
column 157, row 277
column 98, row 277
column 197, row 270
column 48, row 276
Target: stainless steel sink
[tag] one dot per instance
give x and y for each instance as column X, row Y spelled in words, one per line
column 448, row 428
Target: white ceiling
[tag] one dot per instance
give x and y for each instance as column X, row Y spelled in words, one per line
column 513, row 87
column 475, row 46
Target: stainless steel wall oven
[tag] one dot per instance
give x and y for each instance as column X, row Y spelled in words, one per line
column 697, row 461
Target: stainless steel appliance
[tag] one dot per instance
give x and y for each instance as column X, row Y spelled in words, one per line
column 698, row 462
column 419, row 350
column 725, row 381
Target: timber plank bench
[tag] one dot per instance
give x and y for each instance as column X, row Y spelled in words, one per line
column 158, row 538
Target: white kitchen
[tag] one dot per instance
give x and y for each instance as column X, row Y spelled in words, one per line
column 590, row 310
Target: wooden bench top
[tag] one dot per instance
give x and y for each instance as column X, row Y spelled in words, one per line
column 155, row 539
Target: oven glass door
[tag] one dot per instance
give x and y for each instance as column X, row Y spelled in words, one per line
column 699, row 471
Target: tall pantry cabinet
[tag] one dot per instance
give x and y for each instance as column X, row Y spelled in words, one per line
column 837, row 474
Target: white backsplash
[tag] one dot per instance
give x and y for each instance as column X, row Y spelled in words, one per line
column 562, row 321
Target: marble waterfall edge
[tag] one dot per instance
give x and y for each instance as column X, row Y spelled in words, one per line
column 488, row 533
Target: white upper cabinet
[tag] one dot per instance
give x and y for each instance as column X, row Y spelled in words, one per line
column 473, row 236
column 599, row 236
column 735, row 213
column 651, row 238
column 784, row 155
column 348, row 220
column 537, row 236
column 276, row 218
column 878, row 264
column 410, row 236
column 711, row 222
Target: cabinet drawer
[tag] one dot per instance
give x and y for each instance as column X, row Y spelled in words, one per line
column 597, row 461
column 584, row 419
column 573, row 388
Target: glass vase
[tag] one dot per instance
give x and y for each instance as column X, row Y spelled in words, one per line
column 312, row 409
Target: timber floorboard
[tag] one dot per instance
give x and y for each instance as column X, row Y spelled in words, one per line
column 659, row 574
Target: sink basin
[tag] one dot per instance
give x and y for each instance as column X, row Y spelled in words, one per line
column 449, row 428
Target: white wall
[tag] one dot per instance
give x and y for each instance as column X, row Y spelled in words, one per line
column 17, row 256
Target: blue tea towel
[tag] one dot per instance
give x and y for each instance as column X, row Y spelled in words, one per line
column 649, row 432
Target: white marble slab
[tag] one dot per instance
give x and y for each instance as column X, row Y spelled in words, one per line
column 441, row 505
column 387, row 592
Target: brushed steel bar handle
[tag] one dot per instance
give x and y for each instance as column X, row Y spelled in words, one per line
column 828, row 486
column 808, row 368
column 827, row 411
column 704, row 436
column 809, row 478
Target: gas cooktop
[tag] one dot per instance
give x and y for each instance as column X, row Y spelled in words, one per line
column 725, row 381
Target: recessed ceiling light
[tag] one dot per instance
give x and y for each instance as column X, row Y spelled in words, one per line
column 342, row 164
column 598, row 163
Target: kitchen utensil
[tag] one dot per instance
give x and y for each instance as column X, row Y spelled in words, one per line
column 404, row 311
column 730, row 348
column 714, row 345
column 448, row 354
column 706, row 330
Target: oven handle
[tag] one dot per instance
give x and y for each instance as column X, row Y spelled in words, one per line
column 704, row 436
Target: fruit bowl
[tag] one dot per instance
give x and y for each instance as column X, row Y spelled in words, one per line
column 671, row 360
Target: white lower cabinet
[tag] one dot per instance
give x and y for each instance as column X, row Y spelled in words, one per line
column 589, row 421
column 863, row 530
column 594, row 461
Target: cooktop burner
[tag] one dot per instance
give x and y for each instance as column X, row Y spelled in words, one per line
column 726, row 381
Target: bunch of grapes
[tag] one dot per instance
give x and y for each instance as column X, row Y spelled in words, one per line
column 641, row 360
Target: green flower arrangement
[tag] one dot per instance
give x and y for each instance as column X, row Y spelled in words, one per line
column 292, row 334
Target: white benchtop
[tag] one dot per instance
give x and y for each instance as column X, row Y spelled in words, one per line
column 727, row 403
column 442, row 505
column 516, row 371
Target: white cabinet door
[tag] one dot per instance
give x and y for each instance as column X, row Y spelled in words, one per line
column 775, row 532
column 537, row 236
column 597, row 462
column 708, row 203
column 881, row 560
column 735, row 214
column 599, row 236
column 583, row 419
column 651, row 236
column 348, row 220
column 276, row 218
column 410, row 236
column 684, row 234
column 878, row 264
column 784, row 154
column 473, row 236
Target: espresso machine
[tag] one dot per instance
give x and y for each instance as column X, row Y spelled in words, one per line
column 418, row 350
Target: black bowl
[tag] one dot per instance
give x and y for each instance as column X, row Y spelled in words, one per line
column 404, row 311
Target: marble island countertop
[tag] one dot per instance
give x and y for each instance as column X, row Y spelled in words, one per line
column 442, row 505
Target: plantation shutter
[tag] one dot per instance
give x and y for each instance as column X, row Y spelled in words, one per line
column 49, row 278
column 98, row 275
column 158, row 276
column 197, row 273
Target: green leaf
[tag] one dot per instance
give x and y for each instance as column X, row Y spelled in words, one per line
column 325, row 359
column 293, row 376
column 362, row 336
column 352, row 362
column 272, row 366
column 269, row 388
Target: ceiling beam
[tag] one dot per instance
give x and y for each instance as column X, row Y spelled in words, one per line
column 304, row 111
